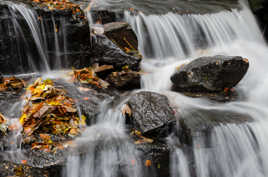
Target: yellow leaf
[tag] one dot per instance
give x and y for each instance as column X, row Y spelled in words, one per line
column 22, row 118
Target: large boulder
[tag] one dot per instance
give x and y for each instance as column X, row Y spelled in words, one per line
column 210, row 74
column 150, row 114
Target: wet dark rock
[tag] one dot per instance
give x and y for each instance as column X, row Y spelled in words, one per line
column 150, row 114
column 106, row 52
column 105, row 16
column 210, row 74
column 197, row 123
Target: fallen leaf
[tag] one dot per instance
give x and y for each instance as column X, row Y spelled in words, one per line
column 24, row 161
column 148, row 163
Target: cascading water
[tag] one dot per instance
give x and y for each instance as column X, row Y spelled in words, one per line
column 180, row 36
column 107, row 149
column 31, row 20
column 38, row 49
column 234, row 150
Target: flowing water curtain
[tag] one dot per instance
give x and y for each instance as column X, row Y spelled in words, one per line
column 234, row 150
column 180, row 36
column 106, row 149
column 42, row 50
column 31, row 18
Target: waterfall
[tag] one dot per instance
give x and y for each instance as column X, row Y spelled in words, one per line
column 169, row 40
column 181, row 36
column 166, row 41
column 234, row 151
column 31, row 18
column 107, row 149
column 38, row 49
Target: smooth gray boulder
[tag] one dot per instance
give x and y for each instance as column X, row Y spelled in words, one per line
column 210, row 74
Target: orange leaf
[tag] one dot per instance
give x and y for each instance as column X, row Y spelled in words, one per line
column 24, row 161
column 86, row 98
column 148, row 163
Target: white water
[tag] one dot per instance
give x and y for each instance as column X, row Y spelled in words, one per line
column 181, row 36
column 236, row 150
column 108, row 151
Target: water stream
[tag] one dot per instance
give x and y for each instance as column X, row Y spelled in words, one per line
column 30, row 17
column 235, row 150
column 35, row 39
column 167, row 41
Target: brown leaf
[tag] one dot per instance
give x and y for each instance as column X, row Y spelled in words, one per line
column 2, row 119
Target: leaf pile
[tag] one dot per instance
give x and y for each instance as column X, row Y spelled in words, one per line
column 89, row 75
column 62, row 5
column 49, row 111
column 11, row 84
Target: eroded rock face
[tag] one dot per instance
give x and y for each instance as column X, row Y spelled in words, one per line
column 210, row 74
column 151, row 114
